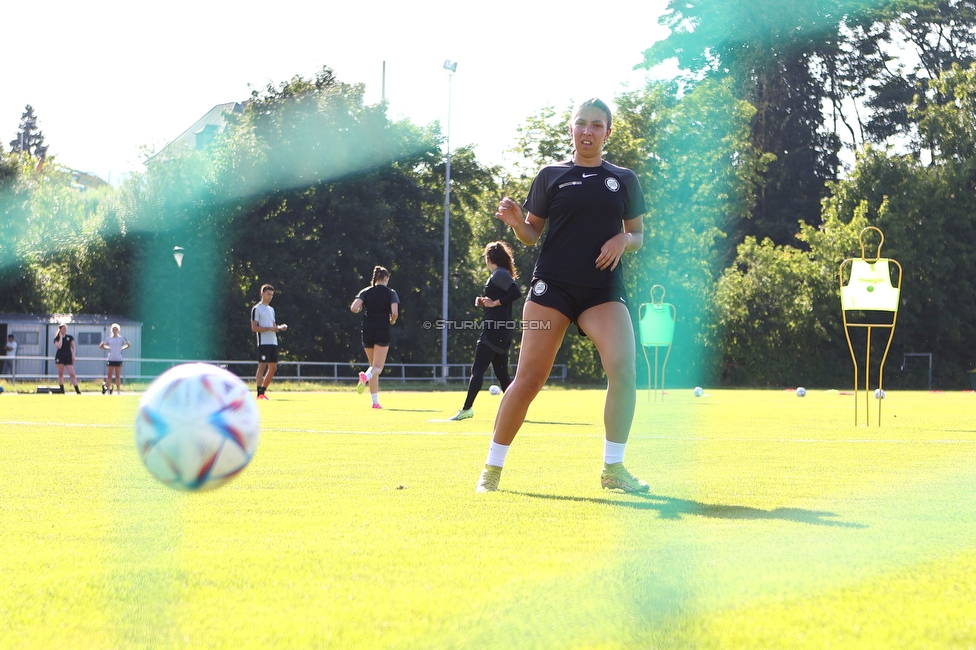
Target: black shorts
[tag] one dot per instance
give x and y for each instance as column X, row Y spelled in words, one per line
column 373, row 336
column 571, row 300
column 114, row 364
column 268, row 353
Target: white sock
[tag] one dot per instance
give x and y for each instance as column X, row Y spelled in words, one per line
column 496, row 455
column 613, row 452
column 369, row 373
column 376, row 397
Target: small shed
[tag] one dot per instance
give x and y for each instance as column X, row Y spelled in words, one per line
column 34, row 334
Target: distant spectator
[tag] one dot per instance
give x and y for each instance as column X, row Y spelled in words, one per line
column 65, row 357
column 115, row 344
column 10, row 363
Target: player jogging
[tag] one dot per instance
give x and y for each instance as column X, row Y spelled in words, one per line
column 266, row 330
column 380, row 306
column 594, row 213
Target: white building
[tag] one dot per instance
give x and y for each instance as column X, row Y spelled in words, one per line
column 34, row 334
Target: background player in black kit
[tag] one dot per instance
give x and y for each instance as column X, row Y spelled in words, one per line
column 594, row 210
column 380, row 307
column 65, row 357
column 496, row 324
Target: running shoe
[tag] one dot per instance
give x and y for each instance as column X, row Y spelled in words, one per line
column 616, row 477
column 489, row 479
column 361, row 386
column 377, row 406
column 104, row 389
column 263, row 396
column 463, row 414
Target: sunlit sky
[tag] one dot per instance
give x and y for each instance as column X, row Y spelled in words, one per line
column 109, row 79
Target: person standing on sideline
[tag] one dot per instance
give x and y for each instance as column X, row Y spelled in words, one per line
column 594, row 210
column 65, row 357
column 115, row 344
column 10, row 363
column 381, row 308
column 266, row 330
column 496, row 324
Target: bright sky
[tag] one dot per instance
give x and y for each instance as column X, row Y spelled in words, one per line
column 108, row 78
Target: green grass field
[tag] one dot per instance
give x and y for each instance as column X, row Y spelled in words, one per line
column 772, row 522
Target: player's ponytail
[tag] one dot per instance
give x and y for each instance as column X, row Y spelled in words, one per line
column 378, row 274
column 500, row 254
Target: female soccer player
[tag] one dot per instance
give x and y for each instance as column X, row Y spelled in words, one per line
column 594, row 210
column 115, row 344
column 65, row 357
column 380, row 306
column 496, row 324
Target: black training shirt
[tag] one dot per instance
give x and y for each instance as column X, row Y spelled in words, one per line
column 585, row 207
column 377, row 301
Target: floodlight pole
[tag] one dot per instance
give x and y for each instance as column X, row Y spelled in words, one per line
column 451, row 68
column 178, row 256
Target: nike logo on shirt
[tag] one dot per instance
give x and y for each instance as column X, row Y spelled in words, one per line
column 588, row 175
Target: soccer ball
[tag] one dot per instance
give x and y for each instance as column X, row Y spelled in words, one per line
column 879, row 394
column 801, row 392
column 197, row 427
column 495, row 390
column 699, row 391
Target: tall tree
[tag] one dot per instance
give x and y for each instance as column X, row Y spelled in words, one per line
column 30, row 139
column 768, row 48
column 937, row 33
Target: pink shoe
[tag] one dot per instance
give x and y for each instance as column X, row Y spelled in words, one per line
column 377, row 406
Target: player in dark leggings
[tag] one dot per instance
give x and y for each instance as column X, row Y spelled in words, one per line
column 496, row 324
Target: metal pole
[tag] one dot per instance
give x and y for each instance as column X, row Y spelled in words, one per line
column 447, row 230
column 179, row 298
column 178, row 253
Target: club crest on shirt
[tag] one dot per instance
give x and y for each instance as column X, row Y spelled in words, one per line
column 539, row 287
column 612, row 184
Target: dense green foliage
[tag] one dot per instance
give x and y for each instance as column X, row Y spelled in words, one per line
column 60, row 249
column 766, row 48
column 779, row 306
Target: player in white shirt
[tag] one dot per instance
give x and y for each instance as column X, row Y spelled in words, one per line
column 8, row 363
column 115, row 344
column 266, row 330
